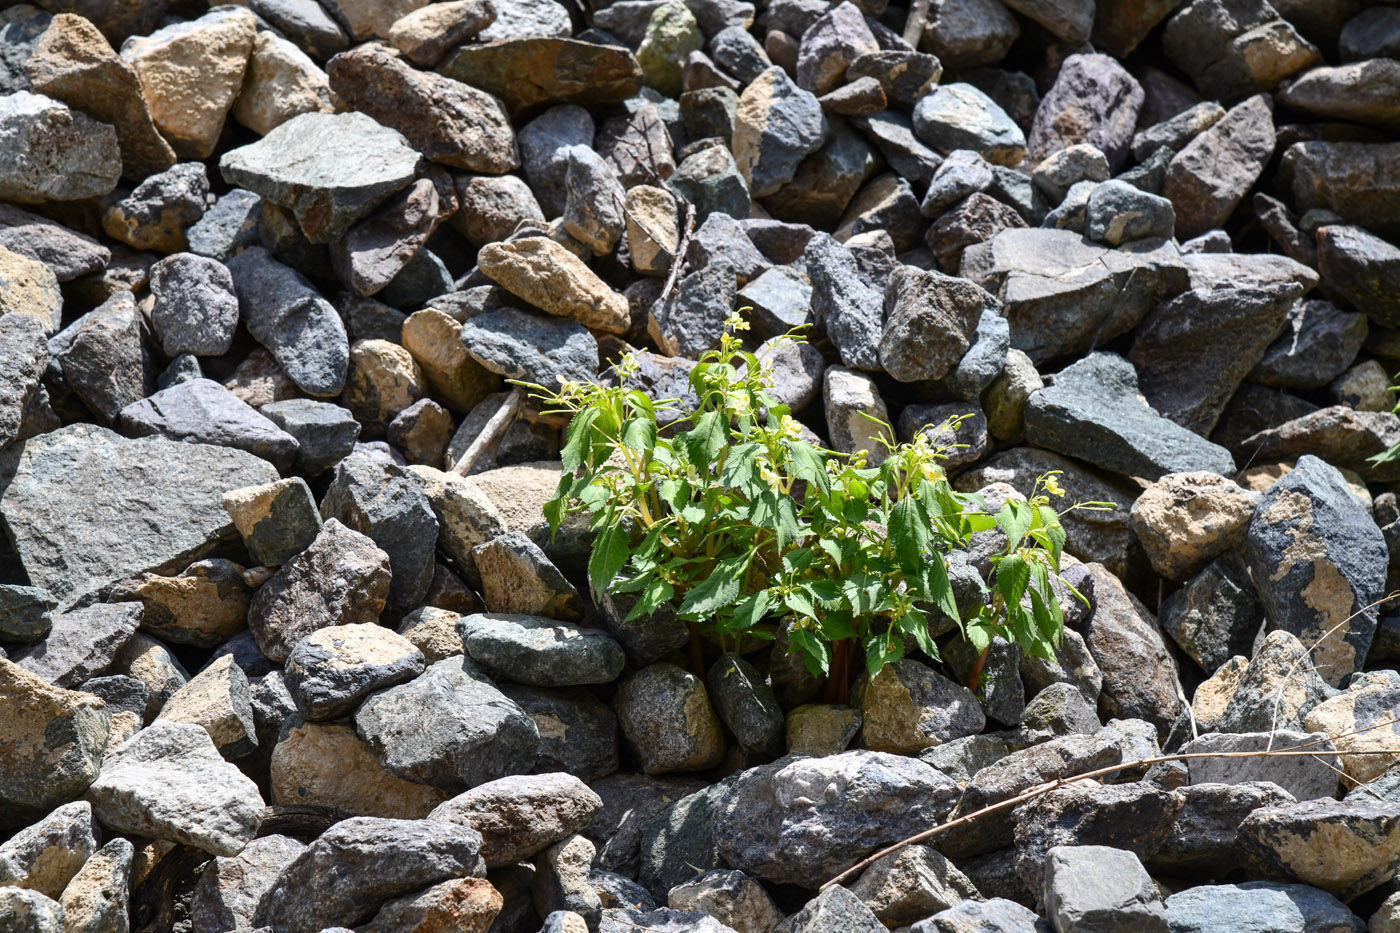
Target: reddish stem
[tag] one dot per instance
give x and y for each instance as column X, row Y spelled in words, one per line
column 975, row 677
column 697, row 651
column 838, row 679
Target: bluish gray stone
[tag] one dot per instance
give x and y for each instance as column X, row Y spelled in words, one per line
column 1317, row 559
column 328, row 169
column 845, row 305
column 711, row 180
column 287, row 315
column 678, row 842
column 331, row 670
column 1306, row 778
column 1092, row 410
column 24, row 355
column 984, row 360
column 1098, row 889
column 746, row 704
column 778, row 124
column 449, row 727
column 1262, row 906
column 227, row 228
column 80, row 643
column 930, row 320
column 203, row 412
column 25, row 612
column 959, row 116
column 325, row 432
column 1118, row 212
column 1215, row 615
column 387, row 503
column 544, row 144
column 994, row 915
column 540, row 652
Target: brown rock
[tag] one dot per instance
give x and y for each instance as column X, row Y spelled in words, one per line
column 529, row 72
column 425, row 35
column 325, row 764
column 448, row 121
column 217, row 700
column 204, row 605
column 1207, row 179
column 1139, row 672
column 382, row 381
column 430, row 336
column 552, row 279
column 73, row 63
column 1185, row 520
column 190, row 74
column 463, row 905
column 379, row 247
column 281, row 82
column 493, row 205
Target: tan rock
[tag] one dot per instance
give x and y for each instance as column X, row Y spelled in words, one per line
column 821, row 729
column 1215, row 692
column 28, row 286
column 1185, row 520
column 281, row 82
column 520, row 491
column 191, row 72
column 652, row 232
column 913, row 883
column 73, row 63
column 259, row 380
column 97, row 898
column 217, row 701
column 908, row 707
column 463, row 905
column 426, row 35
column 433, row 631
column 1261, row 477
column 204, row 605
column 466, row 515
column 51, row 742
column 1365, row 387
column 1358, row 720
column 382, row 381
column 328, row 765
column 150, row 662
column 371, row 19
column 457, row 380
column 552, row 279
column 124, row 726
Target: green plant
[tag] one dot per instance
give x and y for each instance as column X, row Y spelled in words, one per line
column 732, row 517
column 1392, row 452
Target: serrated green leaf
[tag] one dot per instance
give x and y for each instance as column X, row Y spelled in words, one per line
column 881, row 651
column 722, row 588
column 1013, row 574
column 610, row 553
column 800, row 603
column 639, row 434
column 578, row 439
column 1014, row 519
column 909, row 532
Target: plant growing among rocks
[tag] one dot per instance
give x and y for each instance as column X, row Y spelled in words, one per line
column 732, row 517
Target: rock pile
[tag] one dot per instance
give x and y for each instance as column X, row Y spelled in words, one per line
column 269, row 662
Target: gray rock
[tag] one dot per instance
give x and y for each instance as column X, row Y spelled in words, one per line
column 1266, row 906
column 711, row 180
column 1211, row 175
column 121, row 693
column 87, row 161
column 1117, row 213
column 1204, row 842
column 44, row 857
column 1097, row 888
column 196, row 308
column 1094, row 100
column 386, row 503
column 912, row 884
column 1318, row 342
column 227, row 893
column 540, row 651
column 105, row 357
column 25, row 612
column 31, row 912
column 834, row 909
column 67, row 253
column 690, row 320
column 561, row 880
column 578, row 732
column 959, row 116
column 731, row 897
column 80, row 643
column 285, row 314
column 1174, row 133
column 662, row 920
column 163, row 494
column 328, row 170
column 1134, row 817
column 1363, row 268
column 768, row 827
column 1016, row 772
column 1268, row 696
column 1068, row 167
column 357, row 865
column 984, row 360
column 968, row 33
column 777, row 125
column 629, row 800
column 844, row 304
column 228, row 227
column 544, row 152
column 1341, row 435
column 679, row 841
column 520, row 816
column 325, row 433
column 1354, row 180
column 994, row 915
column 331, row 670
column 1306, row 778
column 1140, row 678
column 893, row 134
column 746, row 705
column 341, row 578
column 1193, row 351
column 1344, row 847
column 20, row 29
column 667, row 720
column 736, row 51
column 531, row 347
column 964, row 172
column 277, row 521
column 201, row 411
column 154, row 216
column 1313, row 504
column 593, row 204
column 449, row 727
column 1093, row 410
column 306, row 23
column 1063, row 294
column 930, row 321
column 1215, row 615
column 24, row 354
column 168, row 782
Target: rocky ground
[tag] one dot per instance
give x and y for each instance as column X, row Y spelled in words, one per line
column 268, row 662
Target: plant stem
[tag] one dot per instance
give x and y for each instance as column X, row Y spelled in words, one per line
column 975, row 677
column 838, row 679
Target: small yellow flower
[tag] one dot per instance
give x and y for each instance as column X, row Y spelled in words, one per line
column 1053, row 487
column 735, row 322
column 790, row 427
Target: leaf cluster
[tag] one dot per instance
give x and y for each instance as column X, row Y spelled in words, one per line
column 733, row 518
